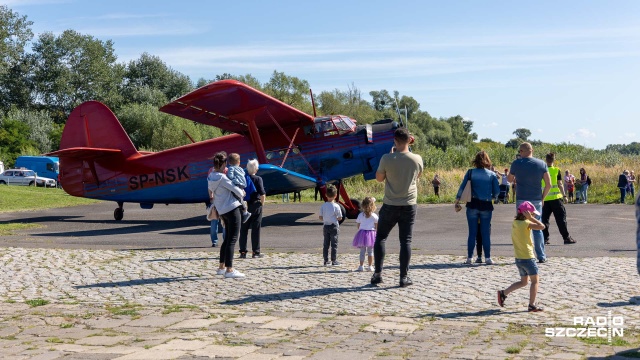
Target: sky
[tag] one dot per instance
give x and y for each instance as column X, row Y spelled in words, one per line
column 569, row 71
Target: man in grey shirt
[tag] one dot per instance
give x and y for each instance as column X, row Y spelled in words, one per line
column 399, row 170
column 529, row 172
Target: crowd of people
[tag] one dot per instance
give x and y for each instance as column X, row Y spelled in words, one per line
column 541, row 190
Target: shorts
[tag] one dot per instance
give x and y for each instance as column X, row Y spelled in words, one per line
column 527, row 267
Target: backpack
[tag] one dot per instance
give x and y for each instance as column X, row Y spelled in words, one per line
column 249, row 189
column 588, row 181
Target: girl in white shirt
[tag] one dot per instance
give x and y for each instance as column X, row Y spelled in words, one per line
column 366, row 236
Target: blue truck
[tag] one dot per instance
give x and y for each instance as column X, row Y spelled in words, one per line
column 45, row 166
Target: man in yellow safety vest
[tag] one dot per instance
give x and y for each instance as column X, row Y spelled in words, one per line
column 554, row 203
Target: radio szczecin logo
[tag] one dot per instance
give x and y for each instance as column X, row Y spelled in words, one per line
column 586, row 327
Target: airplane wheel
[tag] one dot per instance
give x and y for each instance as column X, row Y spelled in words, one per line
column 343, row 211
column 353, row 214
column 118, row 214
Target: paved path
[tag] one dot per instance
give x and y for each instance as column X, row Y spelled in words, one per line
column 136, row 304
column 601, row 230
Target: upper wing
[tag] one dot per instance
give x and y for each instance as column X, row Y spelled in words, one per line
column 230, row 105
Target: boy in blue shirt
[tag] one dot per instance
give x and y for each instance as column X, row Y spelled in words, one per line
column 330, row 215
column 236, row 175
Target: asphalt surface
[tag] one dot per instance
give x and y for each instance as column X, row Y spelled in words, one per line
column 600, row 230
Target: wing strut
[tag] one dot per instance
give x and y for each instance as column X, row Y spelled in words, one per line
column 290, row 142
column 255, row 139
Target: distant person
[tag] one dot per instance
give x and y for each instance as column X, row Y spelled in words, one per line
column 484, row 189
column 296, row 194
column 365, row 238
column 632, row 181
column 255, row 203
column 585, row 181
column 569, row 185
column 528, row 172
column 554, row 203
column 399, row 170
column 316, row 192
column 225, row 198
column 505, row 185
column 521, row 229
column 436, row 185
column 638, row 232
column 236, row 175
column 330, row 215
column 623, row 184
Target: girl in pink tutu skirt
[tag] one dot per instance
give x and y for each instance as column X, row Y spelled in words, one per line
column 366, row 236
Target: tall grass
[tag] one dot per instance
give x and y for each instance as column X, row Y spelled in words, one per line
column 602, row 166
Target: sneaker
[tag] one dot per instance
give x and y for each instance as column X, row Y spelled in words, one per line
column 376, row 278
column 371, row 268
column 479, row 260
column 214, row 244
column 405, row 281
column 360, row 268
column 501, row 298
column 257, row 255
column 335, row 263
column 469, row 261
column 542, row 261
column 235, row 274
column 569, row 240
column 488, row 261
column 534, row 308
column 246, row 217
column 327, row 263
column 221, row 271
column 547, row 242
column 243, row 255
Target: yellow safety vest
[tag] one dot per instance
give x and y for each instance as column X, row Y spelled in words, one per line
column 554, row 193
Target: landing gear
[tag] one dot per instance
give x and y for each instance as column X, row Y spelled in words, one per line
column 118, row 213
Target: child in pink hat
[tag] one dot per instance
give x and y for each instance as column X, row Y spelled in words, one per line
column 525, row 256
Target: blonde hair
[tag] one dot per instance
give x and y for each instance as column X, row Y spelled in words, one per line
column 234, row 159
column 368, row 206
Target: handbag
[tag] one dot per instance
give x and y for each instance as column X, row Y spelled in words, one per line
column 466, row 192
column 212, row 213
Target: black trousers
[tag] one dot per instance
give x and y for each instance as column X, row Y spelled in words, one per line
column 559, row 213
column 404, row 217
column 232, row 221
column 254, row 224
column 330, row 233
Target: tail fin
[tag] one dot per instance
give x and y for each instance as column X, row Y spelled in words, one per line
column 93, row 147
column 93, row 125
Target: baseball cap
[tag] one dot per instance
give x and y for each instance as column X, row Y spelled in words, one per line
column 527, row 206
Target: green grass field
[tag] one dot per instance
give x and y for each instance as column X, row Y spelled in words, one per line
column 24, row 198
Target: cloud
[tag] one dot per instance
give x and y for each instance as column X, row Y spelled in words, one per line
column 582, row 134
column 490, row 125
column 629, row 135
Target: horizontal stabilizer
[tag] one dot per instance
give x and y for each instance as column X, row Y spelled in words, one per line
column 85, row 153
column 279, row 181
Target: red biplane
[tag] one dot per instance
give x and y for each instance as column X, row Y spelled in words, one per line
column 296, row 151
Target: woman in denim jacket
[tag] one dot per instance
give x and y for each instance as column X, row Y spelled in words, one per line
column 484, row 189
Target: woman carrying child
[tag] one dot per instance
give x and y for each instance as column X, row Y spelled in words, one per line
column 364, row 239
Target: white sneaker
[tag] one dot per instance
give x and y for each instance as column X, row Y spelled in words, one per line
column 488, row 261
column 360, row 268
column 469, row 261
column 371, row 268
column 235, row 274
column 221, row 271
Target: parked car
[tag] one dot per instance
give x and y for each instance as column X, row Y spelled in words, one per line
column 24, row 177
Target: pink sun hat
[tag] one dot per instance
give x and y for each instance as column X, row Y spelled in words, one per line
column 528, row 206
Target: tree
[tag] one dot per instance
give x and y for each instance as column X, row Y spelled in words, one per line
column 290, row 90
column 522, row 134
column 15, row 33
column 39, row 124
column 14, row 140
column 72, row 68
column 149, row 73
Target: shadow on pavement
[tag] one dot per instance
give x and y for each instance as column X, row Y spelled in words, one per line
column 456, row 315
column 140, row 282
column 39, row 219
column 632, row 301
column 166, row 248
column 625, row 354
column 124, row 227
column 184, row 259
column 285, row 219
column 294, row 295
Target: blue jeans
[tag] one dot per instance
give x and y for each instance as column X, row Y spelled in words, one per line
column 583, row 192
column 485, row 230
column 538, row 237
column 216, row 227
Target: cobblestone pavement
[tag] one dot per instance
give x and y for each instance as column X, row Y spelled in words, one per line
column 102, row 304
